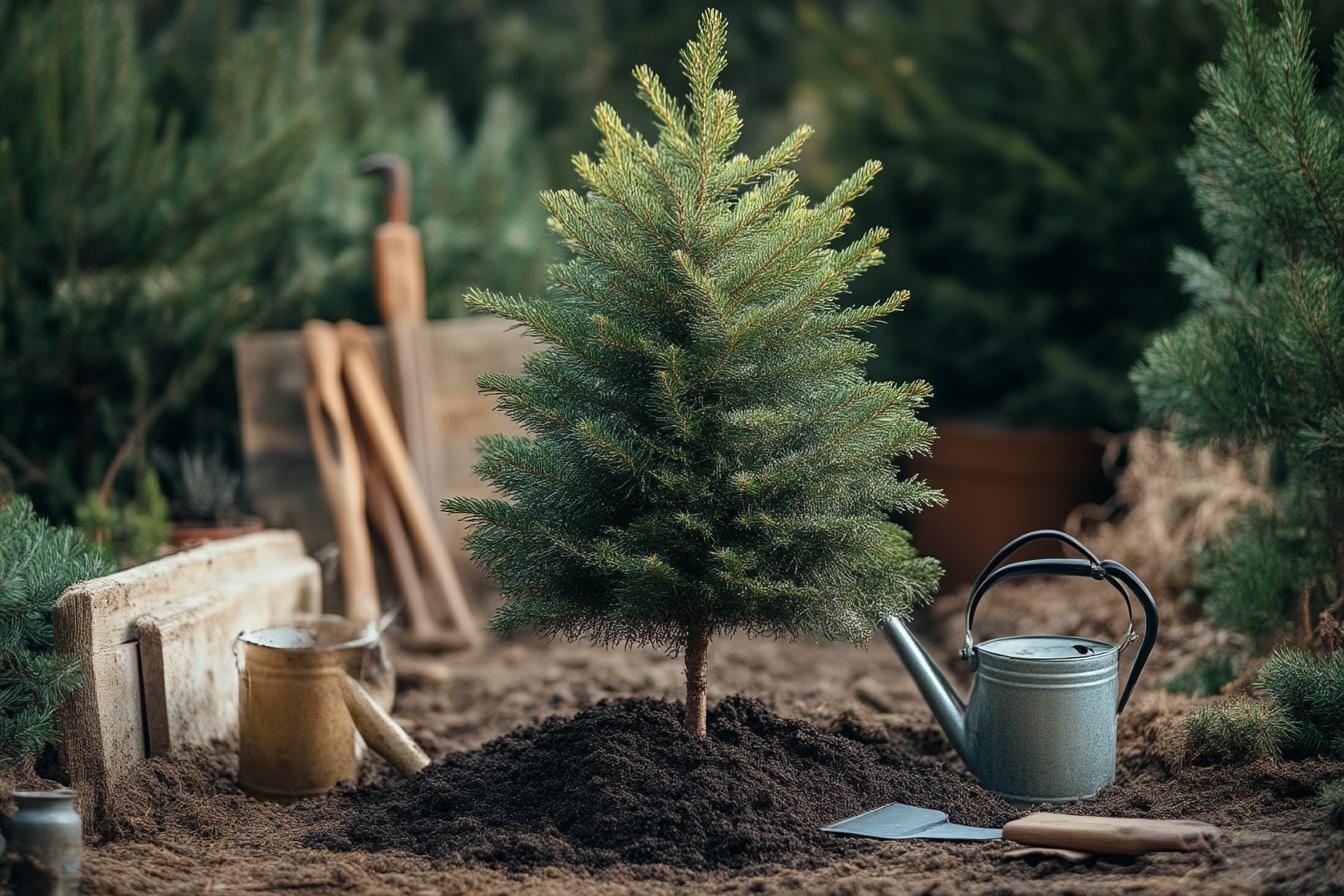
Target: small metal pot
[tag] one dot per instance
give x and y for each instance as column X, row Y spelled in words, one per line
column 47, row 828
column 303, row 692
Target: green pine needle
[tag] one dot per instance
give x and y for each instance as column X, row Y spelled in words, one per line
column 1236, row 730
column 1310, row 688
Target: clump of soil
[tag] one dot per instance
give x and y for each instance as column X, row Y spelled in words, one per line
column 623, row 782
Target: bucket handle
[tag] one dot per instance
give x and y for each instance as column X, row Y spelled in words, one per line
column 1115, row 574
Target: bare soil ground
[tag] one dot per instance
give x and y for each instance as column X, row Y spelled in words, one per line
column 182, row 826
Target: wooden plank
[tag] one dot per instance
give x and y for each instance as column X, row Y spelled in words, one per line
column 188, row 669
column 103, row 723
column 282, row 475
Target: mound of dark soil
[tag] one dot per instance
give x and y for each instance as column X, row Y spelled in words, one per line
column 623, row 782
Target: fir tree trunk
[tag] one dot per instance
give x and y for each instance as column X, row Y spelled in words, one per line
column 697, row 676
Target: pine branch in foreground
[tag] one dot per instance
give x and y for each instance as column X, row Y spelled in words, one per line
column 37, row 563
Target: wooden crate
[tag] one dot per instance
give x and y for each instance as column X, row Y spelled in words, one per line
column 282, row 479
column 156, row 647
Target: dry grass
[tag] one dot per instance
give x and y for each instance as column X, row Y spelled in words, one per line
column 1168, row 501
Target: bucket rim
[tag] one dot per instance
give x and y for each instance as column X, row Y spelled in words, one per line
column 355, row 639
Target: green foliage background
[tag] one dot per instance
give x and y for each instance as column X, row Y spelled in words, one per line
column 171, row 182
column 185, row 174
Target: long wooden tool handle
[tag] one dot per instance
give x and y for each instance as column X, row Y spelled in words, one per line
column 341, row 470
column 1113, row 836
column 387, row 520
column 361, row 376
column 399, row 274
column 410, row 369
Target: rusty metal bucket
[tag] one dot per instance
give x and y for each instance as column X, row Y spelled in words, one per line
column 304, row 691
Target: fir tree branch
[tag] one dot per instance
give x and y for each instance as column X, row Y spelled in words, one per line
column 1295, row 34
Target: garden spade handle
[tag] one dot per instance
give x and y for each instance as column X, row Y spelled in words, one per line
column 1112, row 836
column 398, row 260
column 399, row 284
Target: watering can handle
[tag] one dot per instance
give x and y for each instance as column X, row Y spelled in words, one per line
column 1115, row 574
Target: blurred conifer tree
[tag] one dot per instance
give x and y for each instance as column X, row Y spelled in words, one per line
column 1034, row 187
column 1259, row 359
column 169, row 185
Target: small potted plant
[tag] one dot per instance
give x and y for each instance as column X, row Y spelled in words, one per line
column 204, row 491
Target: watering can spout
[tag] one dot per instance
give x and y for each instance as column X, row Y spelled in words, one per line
column 946, row 704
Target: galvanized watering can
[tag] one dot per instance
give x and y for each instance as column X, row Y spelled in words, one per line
column 1039, row 725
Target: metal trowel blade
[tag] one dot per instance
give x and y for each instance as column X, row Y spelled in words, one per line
column 898, row 821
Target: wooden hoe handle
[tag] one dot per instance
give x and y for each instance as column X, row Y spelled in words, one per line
column 425, row 631
column 1112, row 836
column 399, row 285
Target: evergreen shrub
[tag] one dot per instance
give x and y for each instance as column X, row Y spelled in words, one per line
column 37, row 563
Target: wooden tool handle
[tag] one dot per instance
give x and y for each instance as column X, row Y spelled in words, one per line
column 399, row 281
column 380, row 731
column 340, row 467
column 387, row 520
column 425, row 632
column 375, row 415
column 1113, row 836
column 399, row 272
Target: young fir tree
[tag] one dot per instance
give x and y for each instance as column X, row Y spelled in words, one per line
column 37, row 563
column 1260, row 358
column 706, row 453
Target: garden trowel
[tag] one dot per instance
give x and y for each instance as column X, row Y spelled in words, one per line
column 1112, row 836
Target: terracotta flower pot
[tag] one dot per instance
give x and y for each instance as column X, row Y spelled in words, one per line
column 189, row 533
column 1000, row 483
